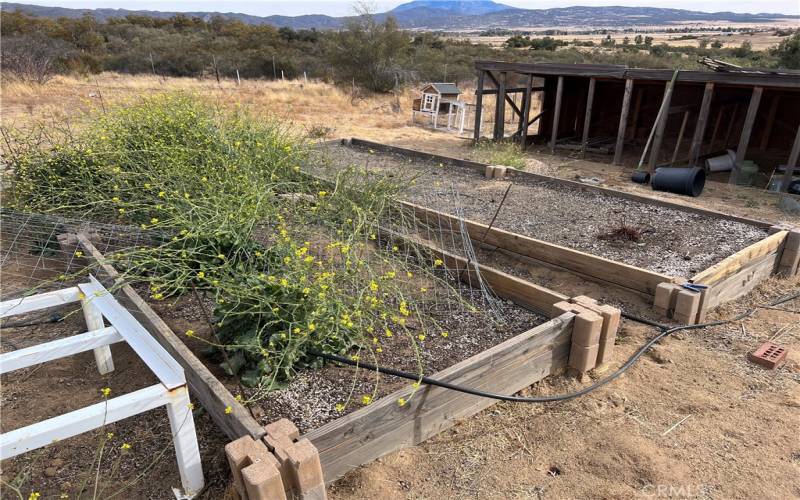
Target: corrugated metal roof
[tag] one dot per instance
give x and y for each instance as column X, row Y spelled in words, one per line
column 445, row 88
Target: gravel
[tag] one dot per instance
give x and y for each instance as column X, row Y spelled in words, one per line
column 670, row 241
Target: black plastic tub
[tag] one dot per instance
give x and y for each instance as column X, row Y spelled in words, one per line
column 641, row 177
column 688, row 181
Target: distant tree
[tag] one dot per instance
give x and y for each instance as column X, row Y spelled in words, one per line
column 788, row 52
column 33, row 58
column 716, row 44
column 648, row 41
column 744, row 50
column 639, row 40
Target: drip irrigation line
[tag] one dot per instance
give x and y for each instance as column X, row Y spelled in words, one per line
column 53, row 318
column 666, row 330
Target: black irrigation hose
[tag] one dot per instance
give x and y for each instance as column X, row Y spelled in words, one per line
column 666, row 330
column 53, row 318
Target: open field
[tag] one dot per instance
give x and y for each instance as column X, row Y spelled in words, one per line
column 693, row 415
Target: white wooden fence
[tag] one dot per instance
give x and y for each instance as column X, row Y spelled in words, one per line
column 98, row 307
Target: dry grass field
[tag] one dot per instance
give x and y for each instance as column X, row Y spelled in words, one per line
column 692, row 419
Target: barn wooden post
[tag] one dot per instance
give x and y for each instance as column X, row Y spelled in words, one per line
column 747, row 130
column 526, row 111
column 773, row 109
column 500, row 108
column 700, row 128
column 623, row 121
column 680, row 138
column 479, row 105
column 659, row 128
column 587, row 120
column 792, row 163
column 557, row 113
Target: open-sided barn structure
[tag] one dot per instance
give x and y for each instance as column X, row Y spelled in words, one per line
column 608, row 108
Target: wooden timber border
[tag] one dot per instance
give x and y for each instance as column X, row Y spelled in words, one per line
column 386, row 426
column 512, row 172
column 726, row 280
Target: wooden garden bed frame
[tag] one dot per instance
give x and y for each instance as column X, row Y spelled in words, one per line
column 726, row 280
column 384, row 426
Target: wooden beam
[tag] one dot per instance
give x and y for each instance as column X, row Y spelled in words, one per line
column 512, row 90
column 557, row 113
column 731, row 123
column 384, row 426
column 587, row 120
column 732, row 264
column 526, row 112
column 700, row 127
column 636, row 108
column 500, row 108
column 717, row 122
column 508, row 99
column 773, row 109
column 623, row 121
column 792, row 163
column 659, row 129
column 214, row 397
column 575, row 261
column 478, row 106
column 747, row 131
column 680, row 138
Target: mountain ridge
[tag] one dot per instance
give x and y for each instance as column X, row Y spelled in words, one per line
column 419, row 14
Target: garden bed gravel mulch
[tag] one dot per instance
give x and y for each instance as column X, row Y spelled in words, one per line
column 665, row 240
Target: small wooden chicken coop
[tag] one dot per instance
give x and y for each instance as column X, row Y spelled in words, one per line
column 438, row 99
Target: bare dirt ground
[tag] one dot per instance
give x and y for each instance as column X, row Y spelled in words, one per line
column 692, row 419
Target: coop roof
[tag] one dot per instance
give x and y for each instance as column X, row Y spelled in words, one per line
column 443, row 88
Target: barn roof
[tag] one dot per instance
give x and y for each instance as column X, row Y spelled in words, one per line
column 444, row 88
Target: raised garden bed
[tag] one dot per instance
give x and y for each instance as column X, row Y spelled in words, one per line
column 630, row 241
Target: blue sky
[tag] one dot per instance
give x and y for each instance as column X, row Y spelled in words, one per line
column 340, row 8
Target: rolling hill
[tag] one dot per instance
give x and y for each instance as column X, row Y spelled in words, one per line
column 446, row 15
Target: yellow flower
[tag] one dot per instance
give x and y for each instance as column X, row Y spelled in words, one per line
column 110, row 435
column 339, row 407
column 154, row 220
column 415, row 385
column 445, row 334
column 322, row 193
column 204, row 179
column 34, row 495
column 147, row 185
column 437, row 262
column 78, row 253
column 401, row 402
column 201, row 275
column 161, row 194
column 258, row 254
column 186, row 195
column 366, row 399
column 373, row 286
column 190, row 406
column 220, row 256
column 106, row 391
column 409, row 274
column 421, row 336
column 115, row 199
column 121, row 210
column 391, row 274
column 125, row 446
column 312, row 327
column 388, row 333
column 190, row 333
column 228, row 410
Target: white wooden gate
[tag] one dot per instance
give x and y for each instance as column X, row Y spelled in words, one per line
column 100, row 306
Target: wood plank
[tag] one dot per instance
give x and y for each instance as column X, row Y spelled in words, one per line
column 623, row 121
column 636, row 108
column 208, row 390
column 742, row 281
column 557, row 114
column 526, row 112
column 773, row 109
column 680, row 138
column 500, row 108
column 57, row 349
column 168, row 371
column 385, row 426
column 732, row 264
column 700, row 127
column 478, row 106
column 747, row 131
column 587, row 119
column 508, row 99
column 480, row 167
column 572, row 260
column 791, row 164
column 660, row 126
column 716, row 129
column 56, row 298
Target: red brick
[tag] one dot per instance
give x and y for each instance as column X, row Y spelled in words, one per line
column 262, row 481
column 611, row 320
column 308, row 479
column 582, row 358
column 283, row 427
column 769, row 355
